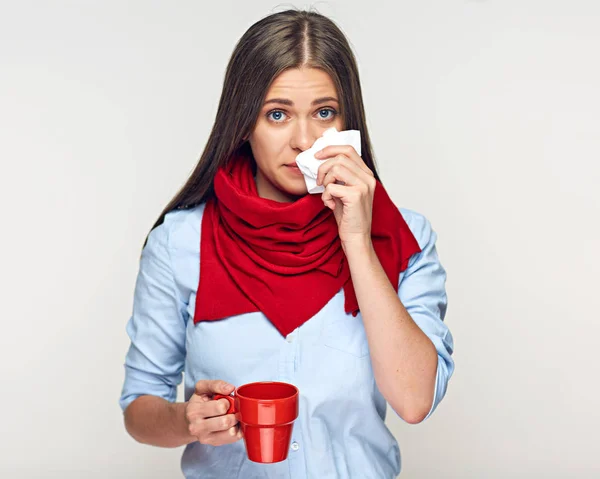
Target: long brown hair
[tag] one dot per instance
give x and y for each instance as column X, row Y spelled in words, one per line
column 278, row 42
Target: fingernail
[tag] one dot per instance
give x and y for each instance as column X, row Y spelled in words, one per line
column 318, row 153
column 232, row 431
column 239, row 434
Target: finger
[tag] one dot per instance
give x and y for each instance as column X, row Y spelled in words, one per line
column 336, row 162
column 328, row 196
column 213, row 386
column 220, row 423
column 344, row 193
column 224, row 437
column 215, row 408
column 347, row 150
column 339, row 174
column 332, row 150
column 330, row 203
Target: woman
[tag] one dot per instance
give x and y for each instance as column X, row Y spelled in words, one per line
column 246, row 277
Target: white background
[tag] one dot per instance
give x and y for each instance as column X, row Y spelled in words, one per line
column 484, row 117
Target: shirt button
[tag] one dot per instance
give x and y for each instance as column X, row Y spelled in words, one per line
column 289, row 338
column 295, row 446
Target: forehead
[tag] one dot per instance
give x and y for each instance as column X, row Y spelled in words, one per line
column 302, row 82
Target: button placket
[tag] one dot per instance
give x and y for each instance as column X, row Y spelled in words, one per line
column 291, row 351
column 296, row 457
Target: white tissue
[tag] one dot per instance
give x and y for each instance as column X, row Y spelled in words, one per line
column 309, row 165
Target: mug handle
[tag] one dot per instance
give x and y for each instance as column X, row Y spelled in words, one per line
column 231, row 409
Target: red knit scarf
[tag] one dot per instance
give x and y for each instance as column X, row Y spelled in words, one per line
column 284, row 259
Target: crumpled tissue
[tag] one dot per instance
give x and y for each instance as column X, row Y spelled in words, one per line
column 309, row 165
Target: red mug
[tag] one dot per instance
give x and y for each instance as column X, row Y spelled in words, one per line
column 267, row 411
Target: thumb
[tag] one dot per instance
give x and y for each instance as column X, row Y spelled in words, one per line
column 213, row 386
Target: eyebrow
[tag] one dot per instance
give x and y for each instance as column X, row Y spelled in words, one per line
column 285, row 101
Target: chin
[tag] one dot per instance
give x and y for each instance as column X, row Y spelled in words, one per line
column 283, row 188
column 292, row 195
column 298, row 191
column 295, row 188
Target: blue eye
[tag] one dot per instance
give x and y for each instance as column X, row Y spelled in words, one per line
column 327, row 110
column 275, row 112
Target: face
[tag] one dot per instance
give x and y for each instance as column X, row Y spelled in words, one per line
column 299, row 106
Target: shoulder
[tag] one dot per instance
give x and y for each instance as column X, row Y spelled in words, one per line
column 419, row 225
column 180, row 230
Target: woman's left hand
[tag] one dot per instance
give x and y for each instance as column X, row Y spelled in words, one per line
column 349, row 189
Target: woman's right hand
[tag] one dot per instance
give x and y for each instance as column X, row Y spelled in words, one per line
column 207, row 419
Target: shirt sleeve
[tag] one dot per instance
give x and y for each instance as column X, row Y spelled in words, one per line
column 156, row 355
column 423, row 294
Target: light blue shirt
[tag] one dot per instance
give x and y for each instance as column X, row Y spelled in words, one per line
column 340, row 431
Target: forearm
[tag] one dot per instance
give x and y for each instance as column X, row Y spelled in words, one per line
column 404, row 359
column 153, row 420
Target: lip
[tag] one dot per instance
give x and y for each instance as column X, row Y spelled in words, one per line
column 294, row 169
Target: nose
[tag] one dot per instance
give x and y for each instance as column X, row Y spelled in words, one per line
column 303, row 136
